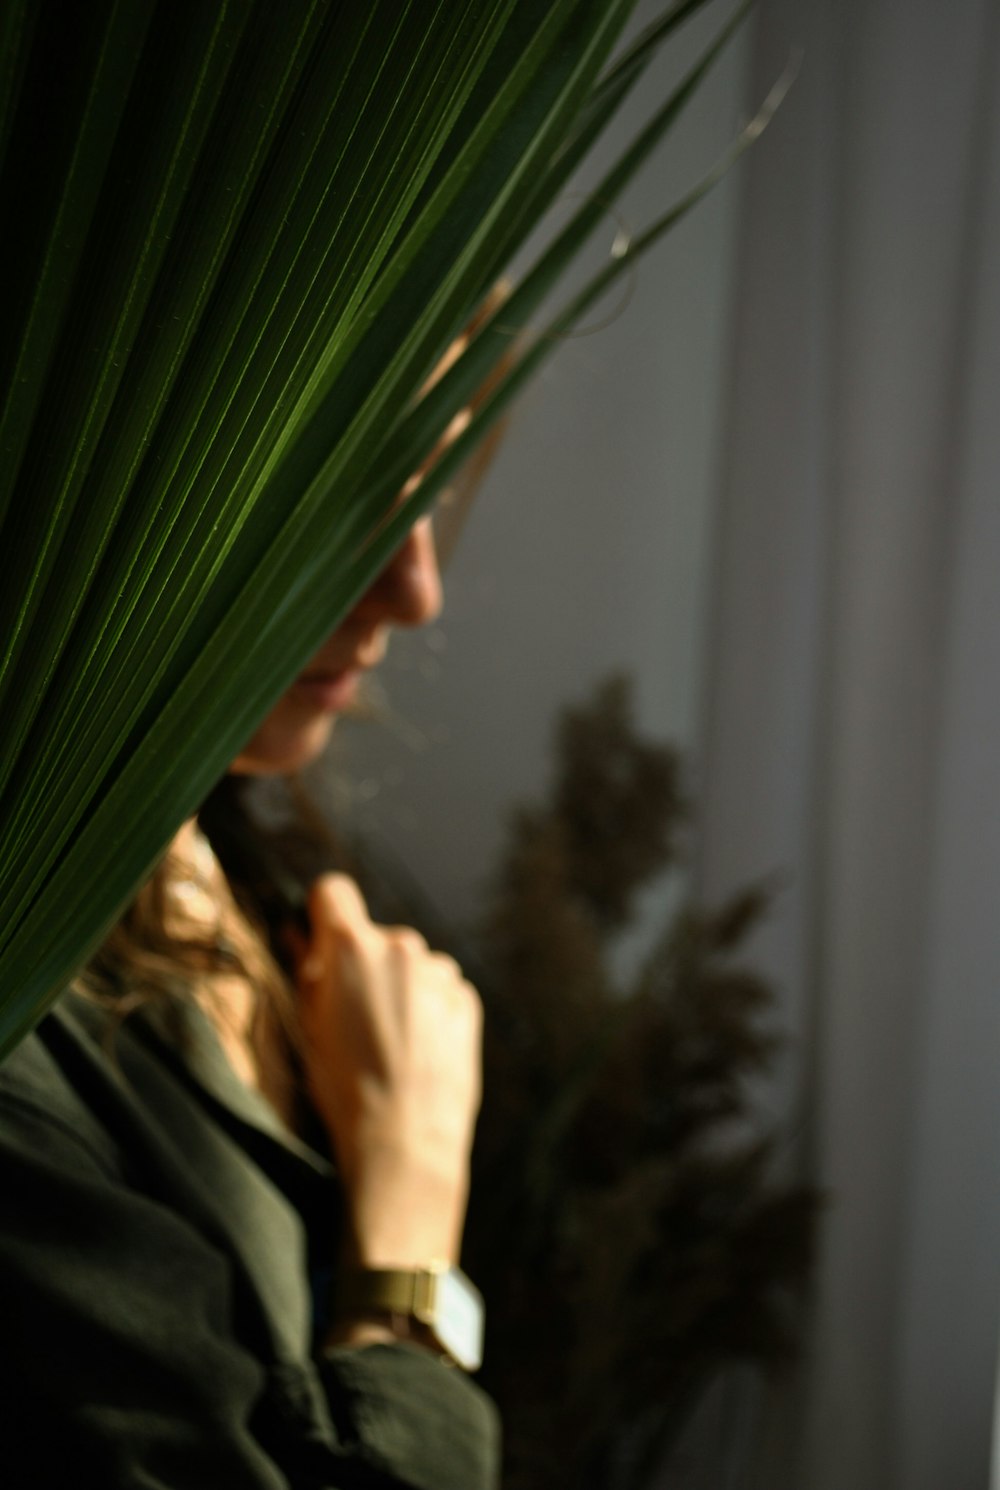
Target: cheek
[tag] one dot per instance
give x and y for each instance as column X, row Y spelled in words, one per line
column 290, row 737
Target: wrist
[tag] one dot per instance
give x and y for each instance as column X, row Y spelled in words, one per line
column 398, row 1218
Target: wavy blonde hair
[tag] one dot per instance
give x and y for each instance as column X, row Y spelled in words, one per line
column 156, row 954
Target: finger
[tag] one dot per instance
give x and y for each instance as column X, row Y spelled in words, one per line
column 337, row 916
column 336, row 904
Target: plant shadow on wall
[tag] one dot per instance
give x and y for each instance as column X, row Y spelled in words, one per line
column 626, row 1227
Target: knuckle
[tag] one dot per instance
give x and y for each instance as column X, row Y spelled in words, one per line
column 466, row 997
column 406, row 939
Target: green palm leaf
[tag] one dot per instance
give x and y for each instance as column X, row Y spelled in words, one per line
column 245, row 234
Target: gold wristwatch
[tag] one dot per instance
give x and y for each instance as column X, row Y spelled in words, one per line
column 439, row 1298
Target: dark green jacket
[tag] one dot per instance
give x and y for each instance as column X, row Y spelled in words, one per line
column 157, row 1234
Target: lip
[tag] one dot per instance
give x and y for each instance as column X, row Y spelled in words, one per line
column 330, row 691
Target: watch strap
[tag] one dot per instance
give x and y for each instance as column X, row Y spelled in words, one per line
column 422, row 1296
column 386, row 1290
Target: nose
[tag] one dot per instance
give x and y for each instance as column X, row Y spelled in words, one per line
column 408, row 591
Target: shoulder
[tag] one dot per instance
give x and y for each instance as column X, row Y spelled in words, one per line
column 42, row 1088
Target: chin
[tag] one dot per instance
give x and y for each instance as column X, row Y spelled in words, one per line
column 283, row 745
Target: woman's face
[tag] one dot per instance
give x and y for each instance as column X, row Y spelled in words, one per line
column 406, row 593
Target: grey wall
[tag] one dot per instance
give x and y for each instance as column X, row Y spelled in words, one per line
column 853, row 732
column 587, row 549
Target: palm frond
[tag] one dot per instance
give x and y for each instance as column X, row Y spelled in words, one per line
column 244, row 234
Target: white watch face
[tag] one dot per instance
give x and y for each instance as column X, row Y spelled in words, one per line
column 458, row 1318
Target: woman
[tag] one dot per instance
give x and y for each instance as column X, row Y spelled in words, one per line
column 167, row 1238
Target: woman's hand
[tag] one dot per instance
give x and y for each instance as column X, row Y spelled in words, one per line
column 392, row 1056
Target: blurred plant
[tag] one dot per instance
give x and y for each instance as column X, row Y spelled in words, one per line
column 625, row 1224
